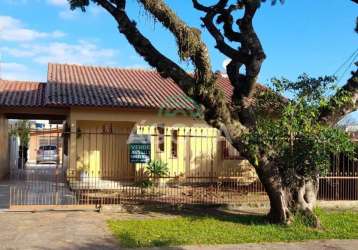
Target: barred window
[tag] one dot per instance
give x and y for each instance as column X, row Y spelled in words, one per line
column 175, row 143
column 161, row 138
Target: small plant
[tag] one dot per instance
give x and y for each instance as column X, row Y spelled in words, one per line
column 154, row 170
column 157, row 169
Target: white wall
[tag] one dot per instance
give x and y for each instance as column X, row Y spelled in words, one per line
column 4, row 147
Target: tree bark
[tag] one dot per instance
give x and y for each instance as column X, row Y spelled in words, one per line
column 190, row 44
column 286, row 202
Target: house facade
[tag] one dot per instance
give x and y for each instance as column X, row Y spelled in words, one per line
column 103, row 107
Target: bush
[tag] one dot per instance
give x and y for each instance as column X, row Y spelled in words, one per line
column 155, row 170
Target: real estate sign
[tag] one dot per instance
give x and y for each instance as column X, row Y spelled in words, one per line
column 139, row 148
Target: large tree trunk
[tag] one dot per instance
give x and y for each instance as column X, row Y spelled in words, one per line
column 285, row 202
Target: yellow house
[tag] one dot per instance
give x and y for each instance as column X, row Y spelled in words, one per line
column 103, row 107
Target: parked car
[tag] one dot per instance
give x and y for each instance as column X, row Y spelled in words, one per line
column 47, row 153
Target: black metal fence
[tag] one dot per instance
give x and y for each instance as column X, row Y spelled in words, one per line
column 92, row 166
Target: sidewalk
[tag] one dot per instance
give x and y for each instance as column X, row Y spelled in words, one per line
column 308, row 245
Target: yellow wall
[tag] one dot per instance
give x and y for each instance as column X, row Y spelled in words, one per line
column 132, row 115
column 198, row 153
column 106, row 156
column 103, row 153
column 4, row 150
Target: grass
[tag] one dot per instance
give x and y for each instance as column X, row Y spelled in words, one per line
column 229, row 229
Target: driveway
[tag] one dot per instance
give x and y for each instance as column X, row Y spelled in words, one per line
column 38, row 184
column 55, row 230
column 87, row 230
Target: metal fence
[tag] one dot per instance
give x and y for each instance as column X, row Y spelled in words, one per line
column 93, row 167
column 341, row 182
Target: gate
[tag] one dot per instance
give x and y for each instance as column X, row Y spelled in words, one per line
column 37, row 166
column 40, row 186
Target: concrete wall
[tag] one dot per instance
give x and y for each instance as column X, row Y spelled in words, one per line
column 4, row 147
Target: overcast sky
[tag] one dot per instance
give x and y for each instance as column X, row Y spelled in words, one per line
column 315, row 37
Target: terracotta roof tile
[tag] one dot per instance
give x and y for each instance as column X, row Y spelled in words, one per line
column 74, row 85
column 21, row 93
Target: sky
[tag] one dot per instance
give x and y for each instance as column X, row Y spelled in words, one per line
column 305, row 36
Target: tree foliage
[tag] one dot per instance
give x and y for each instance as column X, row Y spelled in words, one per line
column 22, row 130
column 297, row 141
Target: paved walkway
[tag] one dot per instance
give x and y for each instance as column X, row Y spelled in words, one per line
column 309, row 245
column 87, row 230
column 4, row 195
column 55, row 230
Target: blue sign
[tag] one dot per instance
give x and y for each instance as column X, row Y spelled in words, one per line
column 139, row 153
column 139, row 148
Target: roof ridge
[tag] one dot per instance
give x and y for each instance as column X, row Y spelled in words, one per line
column 104, row 67
column 22, row 81
column 151, row 69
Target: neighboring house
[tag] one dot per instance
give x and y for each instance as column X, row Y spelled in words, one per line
column 102, row 107
column 41, row 133
column 44, row 136
column 349, row 123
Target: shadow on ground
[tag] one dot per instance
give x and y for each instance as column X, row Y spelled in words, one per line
column 192, row 213
column 92, row 246
column 244, row 216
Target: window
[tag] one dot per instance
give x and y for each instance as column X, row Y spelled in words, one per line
column 161, row 138
column 48, row 147
column 49, row 140
column 175, row 143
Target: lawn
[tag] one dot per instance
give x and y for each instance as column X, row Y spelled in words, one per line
column 229, row 229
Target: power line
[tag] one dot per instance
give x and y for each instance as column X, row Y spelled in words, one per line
column 346, row 61
column 346, row 66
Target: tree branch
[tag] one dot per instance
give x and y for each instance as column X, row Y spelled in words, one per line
column 165, row 66
column 250, row 53
column 331, row 114
column 228, row 21
column 208, row 21
column 190, row 44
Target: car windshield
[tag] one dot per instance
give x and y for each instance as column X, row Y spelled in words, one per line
column 48, row 147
